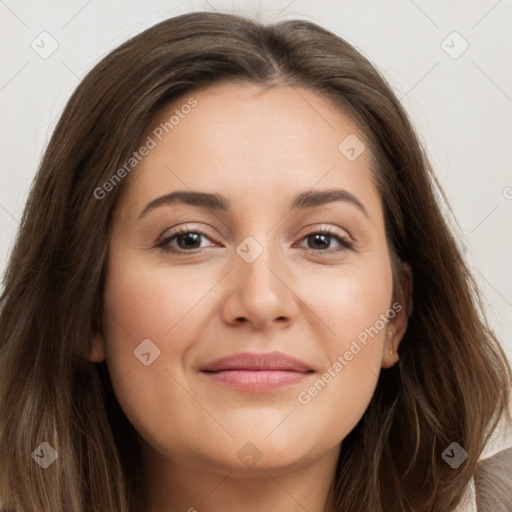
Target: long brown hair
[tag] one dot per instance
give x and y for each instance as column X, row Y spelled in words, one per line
column 452, row 383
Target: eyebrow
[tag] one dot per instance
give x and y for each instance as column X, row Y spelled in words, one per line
column 219, row 203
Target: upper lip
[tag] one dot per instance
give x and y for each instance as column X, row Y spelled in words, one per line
column 276, row 361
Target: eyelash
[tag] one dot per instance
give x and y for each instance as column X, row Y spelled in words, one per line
column 344, row 242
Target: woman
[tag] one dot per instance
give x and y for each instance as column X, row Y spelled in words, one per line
column 233, row 289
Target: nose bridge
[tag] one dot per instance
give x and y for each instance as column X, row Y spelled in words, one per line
column 259, row 293
column 257, row 261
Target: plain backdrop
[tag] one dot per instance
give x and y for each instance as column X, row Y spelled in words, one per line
column 449, row 63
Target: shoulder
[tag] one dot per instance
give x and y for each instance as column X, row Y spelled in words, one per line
column 493, row 483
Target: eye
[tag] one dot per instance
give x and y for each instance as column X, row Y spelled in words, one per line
column 183, row 240
column 187, row 240
column 319, row 241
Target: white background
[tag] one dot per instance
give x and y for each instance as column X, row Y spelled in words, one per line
column 461, row 106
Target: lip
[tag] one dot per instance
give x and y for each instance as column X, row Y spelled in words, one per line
column 252, row 372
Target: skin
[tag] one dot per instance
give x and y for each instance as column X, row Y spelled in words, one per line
column 259, row 148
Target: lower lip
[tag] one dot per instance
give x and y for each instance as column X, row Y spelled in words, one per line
column 257, row 381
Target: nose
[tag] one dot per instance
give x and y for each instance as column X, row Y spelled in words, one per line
column 260, row 292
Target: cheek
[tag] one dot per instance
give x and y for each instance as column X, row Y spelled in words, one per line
column 147, row 302
column 147, row 310
column 353, row 308
column 349, row 300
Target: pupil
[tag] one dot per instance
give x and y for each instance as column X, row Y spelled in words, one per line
column 190, row 237
column 323, row 239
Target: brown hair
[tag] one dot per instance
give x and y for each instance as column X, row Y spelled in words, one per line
column 453, row 380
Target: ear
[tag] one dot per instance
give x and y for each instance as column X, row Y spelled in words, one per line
column 398, row 315
column 97, row 348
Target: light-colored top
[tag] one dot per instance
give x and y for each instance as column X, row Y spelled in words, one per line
column 490, row 490
column 468, row 503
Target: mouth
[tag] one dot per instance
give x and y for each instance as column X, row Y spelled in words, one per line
column 257, row 372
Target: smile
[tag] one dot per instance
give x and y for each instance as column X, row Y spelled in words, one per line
column 257, row 372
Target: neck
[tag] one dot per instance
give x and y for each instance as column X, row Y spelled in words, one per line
column 185, row 486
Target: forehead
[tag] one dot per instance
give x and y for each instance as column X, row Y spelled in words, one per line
column 248, row 141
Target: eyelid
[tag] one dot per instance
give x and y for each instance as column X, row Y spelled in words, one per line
column 344, row 239
column 327, row 228
column 186, row 228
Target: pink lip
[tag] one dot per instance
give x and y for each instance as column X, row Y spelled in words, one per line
column 257, row 372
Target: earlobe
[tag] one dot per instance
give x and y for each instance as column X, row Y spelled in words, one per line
column 397, row 326
column 390, row 354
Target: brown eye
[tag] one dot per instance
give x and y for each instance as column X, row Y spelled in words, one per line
column 188, row 240
column 183, row 240
column 320, row 241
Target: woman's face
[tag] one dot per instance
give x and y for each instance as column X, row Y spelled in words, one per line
column 300, row 314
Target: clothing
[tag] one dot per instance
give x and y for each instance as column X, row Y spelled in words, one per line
column 490, row 490
column 493, row 483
